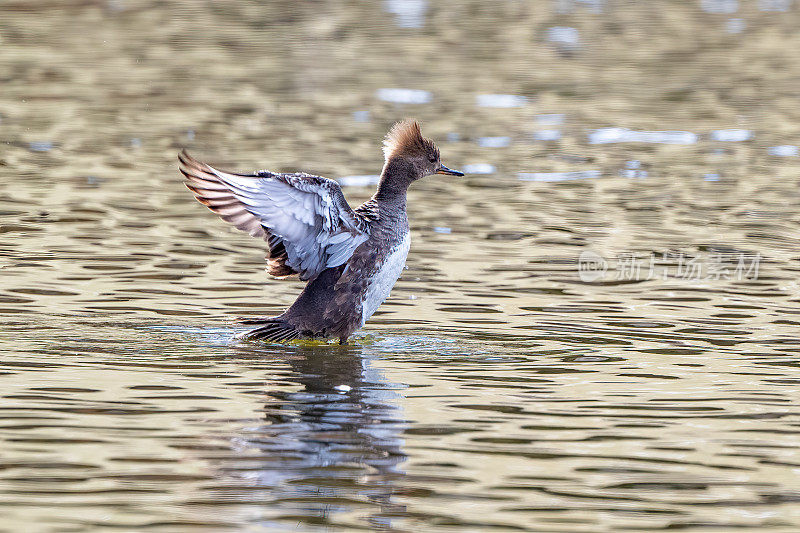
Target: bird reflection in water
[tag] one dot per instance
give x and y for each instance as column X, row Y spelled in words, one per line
column 334, row 446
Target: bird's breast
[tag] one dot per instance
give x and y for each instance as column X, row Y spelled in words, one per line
column 380, row 283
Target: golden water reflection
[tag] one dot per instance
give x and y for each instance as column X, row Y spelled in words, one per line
column 499, row 387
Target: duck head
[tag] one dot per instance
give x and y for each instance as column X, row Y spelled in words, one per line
column 410, row 156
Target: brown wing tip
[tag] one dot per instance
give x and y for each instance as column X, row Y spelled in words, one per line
column 188, row 163
column 199, row 177
column 196, row 172
column 211, row 191
column 185, row 159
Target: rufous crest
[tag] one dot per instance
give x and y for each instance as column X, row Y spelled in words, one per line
column 405, row 138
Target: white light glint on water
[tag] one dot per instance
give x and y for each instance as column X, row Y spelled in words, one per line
column 774, row 5
column 623, row 135
column 547, row 135
column 785, row 150
column 563, row 35
column 719, row 7
column 359, row 181
column 361, row 116
column 407, row 13
column 478, row 168
column 494, row 142
column 731, row 135
column 735, row 25
column 404, row 96
column 550, row 119
column 500, row 100
column 559, row 176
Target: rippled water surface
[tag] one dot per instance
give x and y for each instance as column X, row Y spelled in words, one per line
column 597, row 329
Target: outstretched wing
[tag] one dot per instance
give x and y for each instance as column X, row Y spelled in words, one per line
column 305, row 219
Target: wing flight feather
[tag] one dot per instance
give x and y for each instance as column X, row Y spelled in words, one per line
column 305, row 219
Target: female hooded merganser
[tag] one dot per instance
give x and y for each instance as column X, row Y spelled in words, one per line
column 351, row 258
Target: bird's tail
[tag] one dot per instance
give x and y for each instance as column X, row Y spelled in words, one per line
column 270, row 329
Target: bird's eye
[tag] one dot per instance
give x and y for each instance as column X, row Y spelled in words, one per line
column 432, row 159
